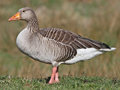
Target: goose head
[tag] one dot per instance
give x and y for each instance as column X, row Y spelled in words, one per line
column 25, row 13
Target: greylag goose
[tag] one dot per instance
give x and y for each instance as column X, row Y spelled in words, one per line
column 54, row 46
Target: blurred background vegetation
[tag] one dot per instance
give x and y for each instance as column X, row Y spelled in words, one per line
column 95, row 19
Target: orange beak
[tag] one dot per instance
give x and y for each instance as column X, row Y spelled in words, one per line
column 15, row 17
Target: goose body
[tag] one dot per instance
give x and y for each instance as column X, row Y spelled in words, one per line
column 48, row 50
column 54, row 46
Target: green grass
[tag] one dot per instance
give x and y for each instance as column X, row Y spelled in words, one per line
column 67, row 83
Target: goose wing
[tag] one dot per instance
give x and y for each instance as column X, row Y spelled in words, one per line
column 71, row 39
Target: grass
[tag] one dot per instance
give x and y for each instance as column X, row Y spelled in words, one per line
column 67, row 83
column 95, row 19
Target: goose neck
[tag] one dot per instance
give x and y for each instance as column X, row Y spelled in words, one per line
column 32, row 25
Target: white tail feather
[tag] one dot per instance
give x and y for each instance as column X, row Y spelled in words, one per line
column 111, row 49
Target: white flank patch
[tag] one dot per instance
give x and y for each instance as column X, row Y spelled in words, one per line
column 85, row 54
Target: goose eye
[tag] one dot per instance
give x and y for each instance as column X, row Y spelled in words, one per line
column 23, row 10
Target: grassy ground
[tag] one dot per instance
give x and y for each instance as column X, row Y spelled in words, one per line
column 95, row 19
column 67, row 83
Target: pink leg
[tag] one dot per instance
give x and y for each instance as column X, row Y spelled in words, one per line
column 52, row 79
column 56, row 76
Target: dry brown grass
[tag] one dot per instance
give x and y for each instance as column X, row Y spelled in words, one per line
column 96, row 19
